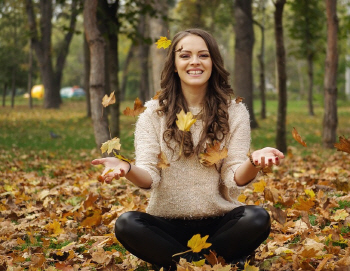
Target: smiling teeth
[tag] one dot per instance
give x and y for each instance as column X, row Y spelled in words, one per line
column 195, row 72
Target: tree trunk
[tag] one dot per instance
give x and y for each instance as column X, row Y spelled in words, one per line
column 30, row 74
column 145, row 94
column 87, row 76
column 13, row 87
column 158, row 28
column 97, row 76
column 281, row 138
column 42, row 46
column 330, row 119
column 4, row 95
column 244, row 42
column 126, row 71
column 261, row 58
column 310, row 73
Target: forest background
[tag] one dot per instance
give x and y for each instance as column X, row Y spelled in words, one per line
column 287, row 59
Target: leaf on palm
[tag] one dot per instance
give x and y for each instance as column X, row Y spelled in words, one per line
column 163, row 162
column 138, row 109
column 343, row 145
column 185, row 121
column 298, row 138
column 108, row 100
column 213, row 154
column 163, row 42
column 110, row 145
column 123, row 158
column 196, row 243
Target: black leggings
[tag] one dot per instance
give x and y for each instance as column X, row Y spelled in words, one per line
column 155, row 239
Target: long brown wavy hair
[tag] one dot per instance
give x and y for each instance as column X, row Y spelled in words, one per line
column 216, row 102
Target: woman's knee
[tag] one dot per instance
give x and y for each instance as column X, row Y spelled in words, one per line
column 125, row 223
column 258, row 216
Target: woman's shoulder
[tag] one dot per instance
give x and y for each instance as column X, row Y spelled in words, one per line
column 237, row 108
column 151, row 106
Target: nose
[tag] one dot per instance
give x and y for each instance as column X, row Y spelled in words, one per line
column 195, row 60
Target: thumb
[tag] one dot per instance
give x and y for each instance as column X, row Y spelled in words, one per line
column 98, row 161
column 278, row 153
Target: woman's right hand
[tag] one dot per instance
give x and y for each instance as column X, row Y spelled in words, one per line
column 114, row 168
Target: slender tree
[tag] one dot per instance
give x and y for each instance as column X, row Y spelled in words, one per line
column 244, row 42
column 308, row 20
column 42, row 45
column 330, row 119
column 97, row 71
column 281, row 137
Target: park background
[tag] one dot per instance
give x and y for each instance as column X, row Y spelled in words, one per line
column 56, row 215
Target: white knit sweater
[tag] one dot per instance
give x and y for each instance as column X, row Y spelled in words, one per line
column 187, row 189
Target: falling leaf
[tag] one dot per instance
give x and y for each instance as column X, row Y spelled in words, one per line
column 239, row 99
column 343, row 145
column 297, row 137
column 163, row 42
column 163, row 162
column 213, row 154
column 340, row 215
column 138, row 109
column 196, row 243
column 185, row 121
column 110, row 145
column 155, row 97
column 259, row 186
column 108, row 100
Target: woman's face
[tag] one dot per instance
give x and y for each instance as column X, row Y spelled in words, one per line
column 193, row 62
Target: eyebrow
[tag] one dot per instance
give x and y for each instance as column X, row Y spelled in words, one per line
column 187, row 51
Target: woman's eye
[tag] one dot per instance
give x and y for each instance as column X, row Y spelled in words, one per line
column 204, row 56
column 184, row 56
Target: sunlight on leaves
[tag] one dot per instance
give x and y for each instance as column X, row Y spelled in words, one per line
column 110, row 145
column 213, row 154
column 298, row 138
column 163, row 42
column 196, row 243
column 343, row 145
column 108, row 100
column 185, row 121
column 138, row 109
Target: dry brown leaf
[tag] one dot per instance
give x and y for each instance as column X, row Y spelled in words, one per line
column 156, row 96
column 110, row 145
column 213, row 259
column 108, row 100
column 298, row 138
column 239, row 99
column 213, row 154
column 343, row 145
column 93, row 220
column 304, row 204
column 163, row 162
column 138, row 109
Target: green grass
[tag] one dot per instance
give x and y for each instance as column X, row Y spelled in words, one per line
column 25, row 132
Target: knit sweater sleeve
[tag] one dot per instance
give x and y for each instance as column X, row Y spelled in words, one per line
column 238, row 146
column 147, row 142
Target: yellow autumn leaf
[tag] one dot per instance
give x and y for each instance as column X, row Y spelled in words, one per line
column 242, row 198
column 199, row 263
column 248, row 267
column 55, row 227
column 340, row 214
column 185, row 121
column 110, row 145
column 163, row 162
column 196, row 243
column 163, row 42
column 259, row 186
column 108, row 100
column 310, row 193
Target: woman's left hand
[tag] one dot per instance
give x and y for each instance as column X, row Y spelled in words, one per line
column 267, row 157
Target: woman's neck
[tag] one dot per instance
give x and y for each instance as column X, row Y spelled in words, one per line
column 194, row 96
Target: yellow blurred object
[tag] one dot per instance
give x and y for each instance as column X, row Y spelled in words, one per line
column 38, row 91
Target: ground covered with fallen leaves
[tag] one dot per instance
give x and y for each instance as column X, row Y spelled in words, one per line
column 56, row 215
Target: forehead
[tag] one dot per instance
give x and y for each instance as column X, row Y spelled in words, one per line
column 191, row 43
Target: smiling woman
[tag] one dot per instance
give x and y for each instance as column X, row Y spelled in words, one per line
column 193, row 115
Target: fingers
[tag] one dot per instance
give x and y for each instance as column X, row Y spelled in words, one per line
column 98, row 161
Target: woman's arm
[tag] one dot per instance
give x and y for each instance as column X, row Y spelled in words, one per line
column 115, row 168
